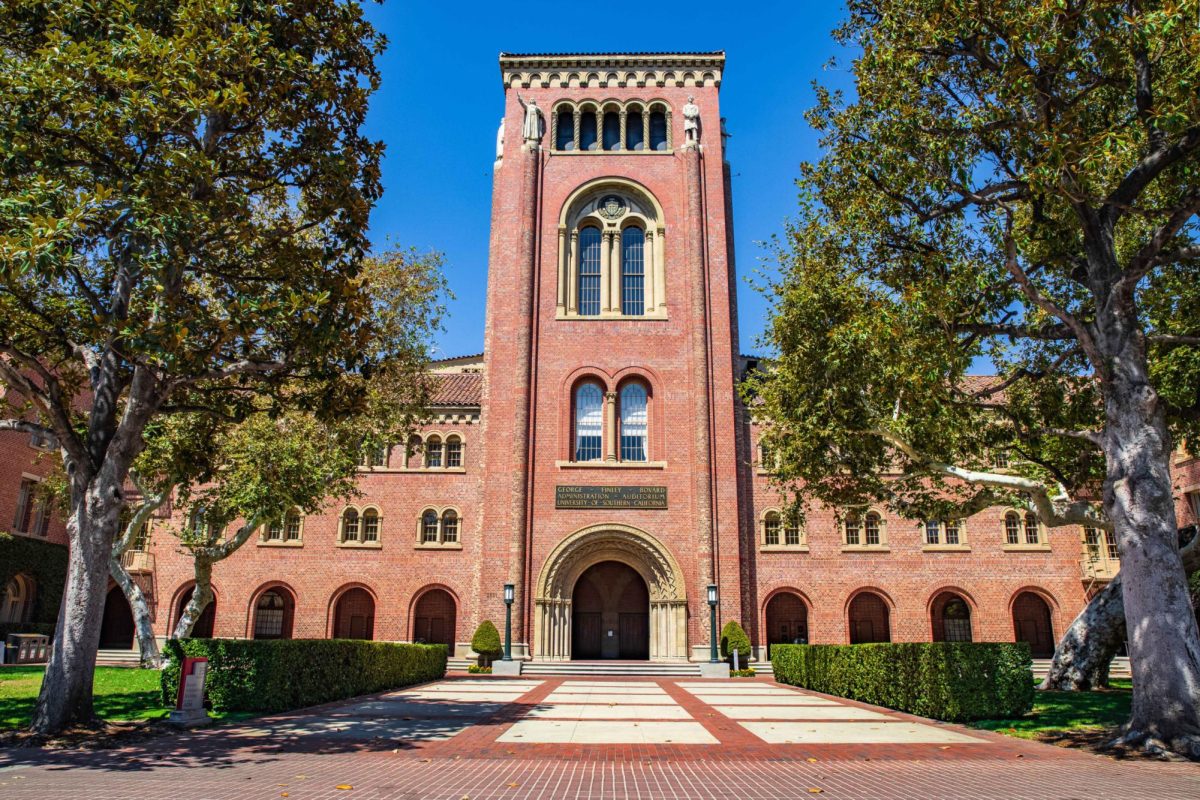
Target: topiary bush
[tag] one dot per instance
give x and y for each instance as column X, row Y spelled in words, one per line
column 952, row 681
column 486, row 642
column 282, row 674
column 734, row 638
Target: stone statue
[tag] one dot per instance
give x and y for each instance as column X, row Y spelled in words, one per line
column 691, row 123
column 532, row 127
column 500, row 140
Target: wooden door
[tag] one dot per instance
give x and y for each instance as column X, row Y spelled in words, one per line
column 633, row 631
column 586, row 632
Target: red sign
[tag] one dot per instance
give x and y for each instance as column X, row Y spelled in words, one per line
column 191, row 684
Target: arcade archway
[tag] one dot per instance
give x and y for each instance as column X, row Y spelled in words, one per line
column 610, row 613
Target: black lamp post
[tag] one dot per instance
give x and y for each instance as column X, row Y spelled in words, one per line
column 508, row 601
column 712, row 622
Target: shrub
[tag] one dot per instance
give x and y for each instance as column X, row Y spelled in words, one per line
column 282, row 674
column 486, row 642
column 734, row 638
column 475, row 669
column 742, row 673
column 952, row 681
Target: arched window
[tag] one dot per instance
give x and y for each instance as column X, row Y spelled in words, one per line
column 869, row 619
column 273, row 615
column 205, row 526
column 374, row 455
column 288, row 528
column 864, row 531
column 370, row 525
column 1012, row 528
column 454, row 450
column 16, row 606
column 633, row 422
column 933, row 532
column 953, row 531
column 658, row 130
column 429, row 527
column 433, row 452
column 873, row 530
column 771, row 529
column 588, row 422
column 951, row 618
column 587, row 131
column 449, row 527
column 635, row 133
column 633, row 272
column 589, row 271
column 350, row 525
column 565, row 138
column 1032, row 529
column 792, row 534
column 853, row 528
column 612, row 131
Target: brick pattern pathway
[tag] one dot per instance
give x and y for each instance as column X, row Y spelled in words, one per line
column 570, row 738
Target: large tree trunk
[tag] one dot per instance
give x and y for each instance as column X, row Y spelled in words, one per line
column 66, row 694
column 202, row 595
column 147, row 644
column 1164, row 643
column 1085, row 652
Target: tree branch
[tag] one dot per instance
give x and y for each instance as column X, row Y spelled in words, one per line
column 1173, row 340
column 22, row 426
column 1146, row 170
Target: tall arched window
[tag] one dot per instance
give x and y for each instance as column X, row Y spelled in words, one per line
column 587, row 131
column 658, row 130
column 370, row 525
column 429, row 526
column 16, row 605
column 1032, row 529
column 612, row 131
column 633, row 422
column 453, row 452
column 872, row 529
column 449, row 527
column 635, row 135
column 565, row 137
column 633, row 271
column 588, row 423
column 272, row 615
column 771, row 529
column 350, row 525
column 589, row 271
column 1012, row 528
column 433, row 452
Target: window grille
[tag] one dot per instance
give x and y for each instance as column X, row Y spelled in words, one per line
column 429, row 527
column 852, row 530
column 872, row 529
column 449, row 527
column 268, row 617
column 350, row 525
column 589, row 271
column 633, row 423
column 588, row 422
column 1012, row 528
column 771, row 529
column 453, row 453
column 633, row 277
column 292, row 526
column 1031, row 529
column 433, row 452
column 932, row 532
column 952, row 532
column 791, row 534
column 370, row 526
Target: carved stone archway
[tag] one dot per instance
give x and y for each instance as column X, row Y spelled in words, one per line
column 628, row 545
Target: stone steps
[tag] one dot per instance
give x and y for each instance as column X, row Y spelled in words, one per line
column 118, row 658
column 1118, row 670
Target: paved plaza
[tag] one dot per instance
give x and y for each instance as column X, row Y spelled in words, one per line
column 648, row 738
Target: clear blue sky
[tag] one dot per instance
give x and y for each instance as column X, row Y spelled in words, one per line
column 442, row 98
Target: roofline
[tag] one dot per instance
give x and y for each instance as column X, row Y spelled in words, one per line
column 709, row 58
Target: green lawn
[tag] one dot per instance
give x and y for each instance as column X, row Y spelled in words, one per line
column 121, row 694
column 1064, row 712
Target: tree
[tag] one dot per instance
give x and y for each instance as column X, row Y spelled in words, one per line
column 1014, row 182
column 734, row 639
column 486, row 642
column 184, row 198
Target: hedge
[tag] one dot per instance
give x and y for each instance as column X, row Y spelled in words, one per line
column 282, row 674
column 733, row 637
column 486, row 642
column 952, row 681
column 46, row 563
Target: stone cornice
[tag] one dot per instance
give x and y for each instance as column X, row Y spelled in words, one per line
column 609, row 70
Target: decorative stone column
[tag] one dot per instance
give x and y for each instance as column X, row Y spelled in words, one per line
column 610, row 426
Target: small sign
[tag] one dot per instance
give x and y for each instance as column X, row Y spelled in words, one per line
column 654, row 497
column 189, row 702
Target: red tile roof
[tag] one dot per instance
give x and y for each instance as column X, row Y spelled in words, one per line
column 457, row 389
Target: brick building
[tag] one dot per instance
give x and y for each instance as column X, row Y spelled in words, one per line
column 595, row 455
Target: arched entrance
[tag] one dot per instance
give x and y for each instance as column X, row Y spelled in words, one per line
column 434, row 618
column 869, row 619
column 951, row 618
column 274, row 611
column 787, row 620
column 633, row 549
column 610, row 613
column 116, row 625
column 354, row 615
column 203, row 629
column 1031, row 623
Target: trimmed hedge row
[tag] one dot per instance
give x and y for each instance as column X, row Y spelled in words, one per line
column 952, row 681
column 282, row 674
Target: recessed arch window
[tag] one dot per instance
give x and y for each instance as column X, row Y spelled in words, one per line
column 454, row 452
column 589, row 431
column 370, row 525
column 793, row 534
column 1012, row 528
column 564, row 138
column 771, row 525
column 612, row 130
column 587, row 131
column 16, row 605
column 589, row 271
column 864, row 530
column 633, row 271
column 658, row 131
column 288, row 529
column 1033, row 530
column 449, row 526
column 273, row 614
column 439, row 529
column 633, row 422
column 607, row 126
column 429, row 527
column 940, row 533
column 350, row 526
column 635, row 133
column 204, row 524
column 872, row 530
column 433, row 452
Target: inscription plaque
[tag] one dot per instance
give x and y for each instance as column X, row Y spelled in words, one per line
column 610, row 497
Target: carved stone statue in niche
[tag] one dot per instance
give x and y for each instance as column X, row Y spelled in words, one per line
column 691, row 123
column 533, row 126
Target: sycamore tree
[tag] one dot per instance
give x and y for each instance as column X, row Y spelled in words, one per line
column 233, row 473
column 184, row 199
column 1019, row 183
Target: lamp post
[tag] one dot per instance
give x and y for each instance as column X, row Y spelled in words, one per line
column 712, row 622
column 508, row 601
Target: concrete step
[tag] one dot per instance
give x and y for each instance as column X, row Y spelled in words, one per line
column 599, row 668
column 118, row 658
column 1119, row 668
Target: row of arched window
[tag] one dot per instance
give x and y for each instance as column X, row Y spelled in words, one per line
column 632, row 126
column 627, row 425
column 868, row 619
column 433, row 451
column 869, row 530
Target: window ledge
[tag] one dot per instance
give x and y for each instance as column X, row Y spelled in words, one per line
column 946, row 548
column 764, row 472
column 656, row 316
column 611, row 464
column 866, row 548
column 412, row 470
column 293, row 543
column 1027, row 548
column 361, row 545
column 598, row 152
column 438, row 546
column 783, row 548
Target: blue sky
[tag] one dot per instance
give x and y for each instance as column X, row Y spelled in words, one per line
column 442, row 97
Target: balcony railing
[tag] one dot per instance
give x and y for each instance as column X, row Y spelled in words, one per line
column 138, row 561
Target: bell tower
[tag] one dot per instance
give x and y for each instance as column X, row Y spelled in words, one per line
column 609, row 411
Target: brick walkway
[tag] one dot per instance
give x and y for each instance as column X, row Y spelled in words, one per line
column 572, row 738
